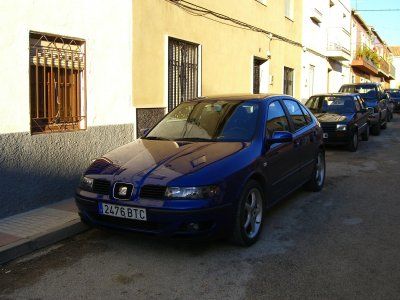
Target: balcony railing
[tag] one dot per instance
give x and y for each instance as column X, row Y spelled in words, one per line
column 338, row 46
column 392, row 71
column 383, row 66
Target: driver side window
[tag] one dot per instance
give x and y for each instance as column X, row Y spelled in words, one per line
column 276, row 120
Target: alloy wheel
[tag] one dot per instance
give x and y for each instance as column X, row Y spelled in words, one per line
column 320, row 172
column 253, row 210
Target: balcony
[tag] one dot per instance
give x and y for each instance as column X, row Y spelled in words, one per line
column 392, row 72
column 383, row 68
column 365, row 65
column 338, row 47
column 367, row 60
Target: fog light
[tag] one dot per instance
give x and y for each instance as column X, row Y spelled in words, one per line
column 193, row 226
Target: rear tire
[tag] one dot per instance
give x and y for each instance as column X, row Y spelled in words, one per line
column 317, row 180
column 353, row 144
column 365, row 135
column 249, row 217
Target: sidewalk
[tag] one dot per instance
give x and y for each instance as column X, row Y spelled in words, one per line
column 26, row 232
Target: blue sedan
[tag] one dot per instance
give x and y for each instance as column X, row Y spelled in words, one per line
column 211, row 167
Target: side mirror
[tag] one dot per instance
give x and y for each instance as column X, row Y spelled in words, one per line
column 280, row 137
column 370, row 110
column 144, row 131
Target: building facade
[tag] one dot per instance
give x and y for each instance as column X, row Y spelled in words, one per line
column 327, row 43
column 198, row 48
column 371, row 57
column 395, row 83
column 338, row 44
column 66, row 94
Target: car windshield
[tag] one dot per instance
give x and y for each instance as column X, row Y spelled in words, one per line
column 331, row 104
column 367, row 92
column 394, row 94
column 209, row 121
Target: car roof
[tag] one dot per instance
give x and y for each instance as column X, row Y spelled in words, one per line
column 362, row 84
column 242, row 97
column 336, row 95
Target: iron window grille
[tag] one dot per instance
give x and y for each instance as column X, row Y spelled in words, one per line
column 57, row 67
column 183, row 60
column 257, row 62
column 288, row 75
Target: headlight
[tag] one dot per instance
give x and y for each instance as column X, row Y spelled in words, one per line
column 86, row 183
column 341, row 127
column 201, row 192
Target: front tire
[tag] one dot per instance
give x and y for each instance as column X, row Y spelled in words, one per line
column 365, row 135
column 353, row 144
column 249, row 217
column 317, row 180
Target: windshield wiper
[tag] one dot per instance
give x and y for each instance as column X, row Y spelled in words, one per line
column 156, row 138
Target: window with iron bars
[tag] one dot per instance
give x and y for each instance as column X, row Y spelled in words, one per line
column 57, row 83
column 288, row 75
column 183, row 60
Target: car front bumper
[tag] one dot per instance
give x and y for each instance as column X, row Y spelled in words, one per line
column 337, row 138
column 208, row 221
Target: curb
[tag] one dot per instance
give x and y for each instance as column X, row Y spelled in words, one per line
column 28, row 245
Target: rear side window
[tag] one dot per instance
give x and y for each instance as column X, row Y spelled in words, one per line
column 295, row 112
column 306, row 114
column 276, row 120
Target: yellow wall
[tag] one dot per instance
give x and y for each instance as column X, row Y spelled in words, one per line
column 227, row 52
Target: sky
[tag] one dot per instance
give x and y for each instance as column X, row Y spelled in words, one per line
column 386, row 23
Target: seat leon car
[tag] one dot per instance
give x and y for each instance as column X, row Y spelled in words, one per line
column 211, row 167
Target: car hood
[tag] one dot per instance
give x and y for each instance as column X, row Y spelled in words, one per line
column 333, row 118
column 370, row 102
column 158, row 162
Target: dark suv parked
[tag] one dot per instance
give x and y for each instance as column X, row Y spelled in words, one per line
column 375, row 100
column 394, row 98
column 343, row 118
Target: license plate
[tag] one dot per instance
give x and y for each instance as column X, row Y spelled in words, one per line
column 325, row 135
column 125, row 212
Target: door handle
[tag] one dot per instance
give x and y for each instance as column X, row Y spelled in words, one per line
column 297, row 143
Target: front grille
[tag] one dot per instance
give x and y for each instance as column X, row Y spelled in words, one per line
column 329, row 127
column 152, row 191
column 118, row 186
column 101, row 186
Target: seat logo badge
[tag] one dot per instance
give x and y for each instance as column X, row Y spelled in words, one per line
column 122, row 191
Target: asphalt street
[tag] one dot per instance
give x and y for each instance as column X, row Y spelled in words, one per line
column 341, row 243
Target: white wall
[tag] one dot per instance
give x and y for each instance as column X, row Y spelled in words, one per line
column 394, row 84
column 315, row 41
column 340, row 22
column 106, row 25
